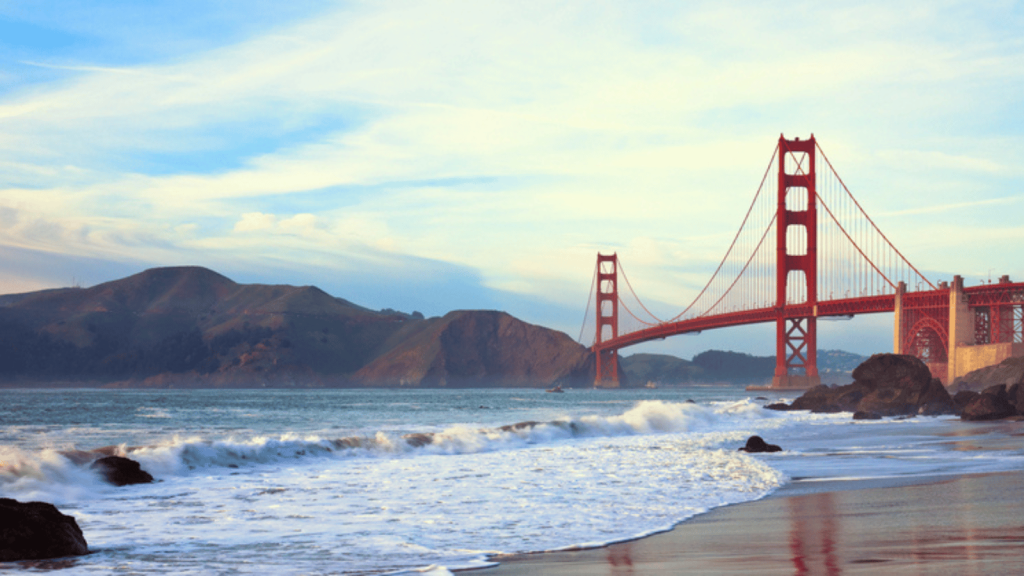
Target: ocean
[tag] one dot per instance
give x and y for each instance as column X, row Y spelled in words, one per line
column 326, row 482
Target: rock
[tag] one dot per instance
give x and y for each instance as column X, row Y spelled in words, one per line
column 962, row 398
column 891, row 371
column 935, row 400
column 121, row 471
column 886, row 385
column 862, row 415
column 998, row 390
column 781, row 406
column 988, row 407
column 418, row 439
column 757, row 444
column 825, row 400
column 1010, row 371
column 37, row 530
column 1015, row 396
column 528, row 425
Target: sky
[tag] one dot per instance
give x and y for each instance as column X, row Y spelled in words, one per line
column 440, row 155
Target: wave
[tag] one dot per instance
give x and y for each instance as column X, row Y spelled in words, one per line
column 28, row 474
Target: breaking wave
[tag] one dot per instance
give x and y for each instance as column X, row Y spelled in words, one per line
column 65, row 475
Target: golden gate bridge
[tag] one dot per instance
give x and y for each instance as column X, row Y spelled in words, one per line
column 805, row 250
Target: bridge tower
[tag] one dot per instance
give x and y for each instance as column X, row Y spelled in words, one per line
column 796, row 337
column 607, row 361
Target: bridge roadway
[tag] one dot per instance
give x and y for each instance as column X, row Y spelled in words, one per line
column 842, row 307
column 953, row 311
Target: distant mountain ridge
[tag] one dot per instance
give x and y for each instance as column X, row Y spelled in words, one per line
column 192, row 327
column 717, row 366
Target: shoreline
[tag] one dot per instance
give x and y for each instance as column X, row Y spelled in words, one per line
column 962, row 523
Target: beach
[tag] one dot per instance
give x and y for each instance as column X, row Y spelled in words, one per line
column 965, row 524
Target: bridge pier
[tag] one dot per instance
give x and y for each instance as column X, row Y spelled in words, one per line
column 796, row 354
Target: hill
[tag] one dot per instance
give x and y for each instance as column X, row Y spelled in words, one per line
column 192, row 327
column 717, row 366
column 466, row 348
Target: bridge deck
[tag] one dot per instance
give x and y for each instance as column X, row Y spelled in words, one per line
column 1004, row 293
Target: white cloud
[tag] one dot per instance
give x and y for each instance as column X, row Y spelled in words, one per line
column 255, row 221
column 484, row 135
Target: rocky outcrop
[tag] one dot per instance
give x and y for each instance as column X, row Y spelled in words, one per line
column 121, row 471
column 864, row 415
column 36, row 531
column 993, row 403
column 962, row 398
column 756, row 444
column 884, row 385
column 1008, row 372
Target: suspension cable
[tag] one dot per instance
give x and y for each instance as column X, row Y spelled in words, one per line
column 586, row 311
column 729, row 251
column 850, row 194
column 638, row 300
column 852, row 241
column 740, row 275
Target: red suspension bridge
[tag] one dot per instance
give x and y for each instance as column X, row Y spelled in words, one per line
column 806, row 249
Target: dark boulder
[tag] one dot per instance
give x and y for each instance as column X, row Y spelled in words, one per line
column 988, row 407
column 418, row 439
column 825, row 400
column 862, row 415
column 891, row 371
column 886, row 385
column 888, row 402
column 1015, row 396
column 757, row 444
column 36, row 531
column 934, row 399
column 962, row 398
column 121, row 471
column 997, row 390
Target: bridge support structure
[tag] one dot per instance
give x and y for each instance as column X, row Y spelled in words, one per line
column 956, row 330
column 796, row 335
column 607, row 360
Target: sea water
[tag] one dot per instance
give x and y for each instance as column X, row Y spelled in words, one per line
column 328, row 481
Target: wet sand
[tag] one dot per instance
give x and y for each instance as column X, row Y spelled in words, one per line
column 969, row 525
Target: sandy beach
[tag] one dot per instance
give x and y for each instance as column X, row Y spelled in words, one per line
column 969, row 524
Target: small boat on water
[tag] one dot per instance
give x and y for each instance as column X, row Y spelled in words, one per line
column 556, row 389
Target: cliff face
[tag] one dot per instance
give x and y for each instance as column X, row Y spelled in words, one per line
column 192, row 327
column 471, row 348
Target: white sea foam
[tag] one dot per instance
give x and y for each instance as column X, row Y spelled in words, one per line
column 451, row 494
column 47, row 471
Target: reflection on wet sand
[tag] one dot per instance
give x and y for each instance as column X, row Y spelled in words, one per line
column 812, row 534
column 968, row 525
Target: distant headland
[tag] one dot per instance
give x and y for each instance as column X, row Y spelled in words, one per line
column 190, row 327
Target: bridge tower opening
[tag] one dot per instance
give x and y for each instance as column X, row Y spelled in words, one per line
column 796, row 345
column 607, row 361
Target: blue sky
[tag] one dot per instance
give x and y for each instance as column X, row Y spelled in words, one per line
column 443, row 155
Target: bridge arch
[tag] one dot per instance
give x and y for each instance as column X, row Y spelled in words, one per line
column 928, row 340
